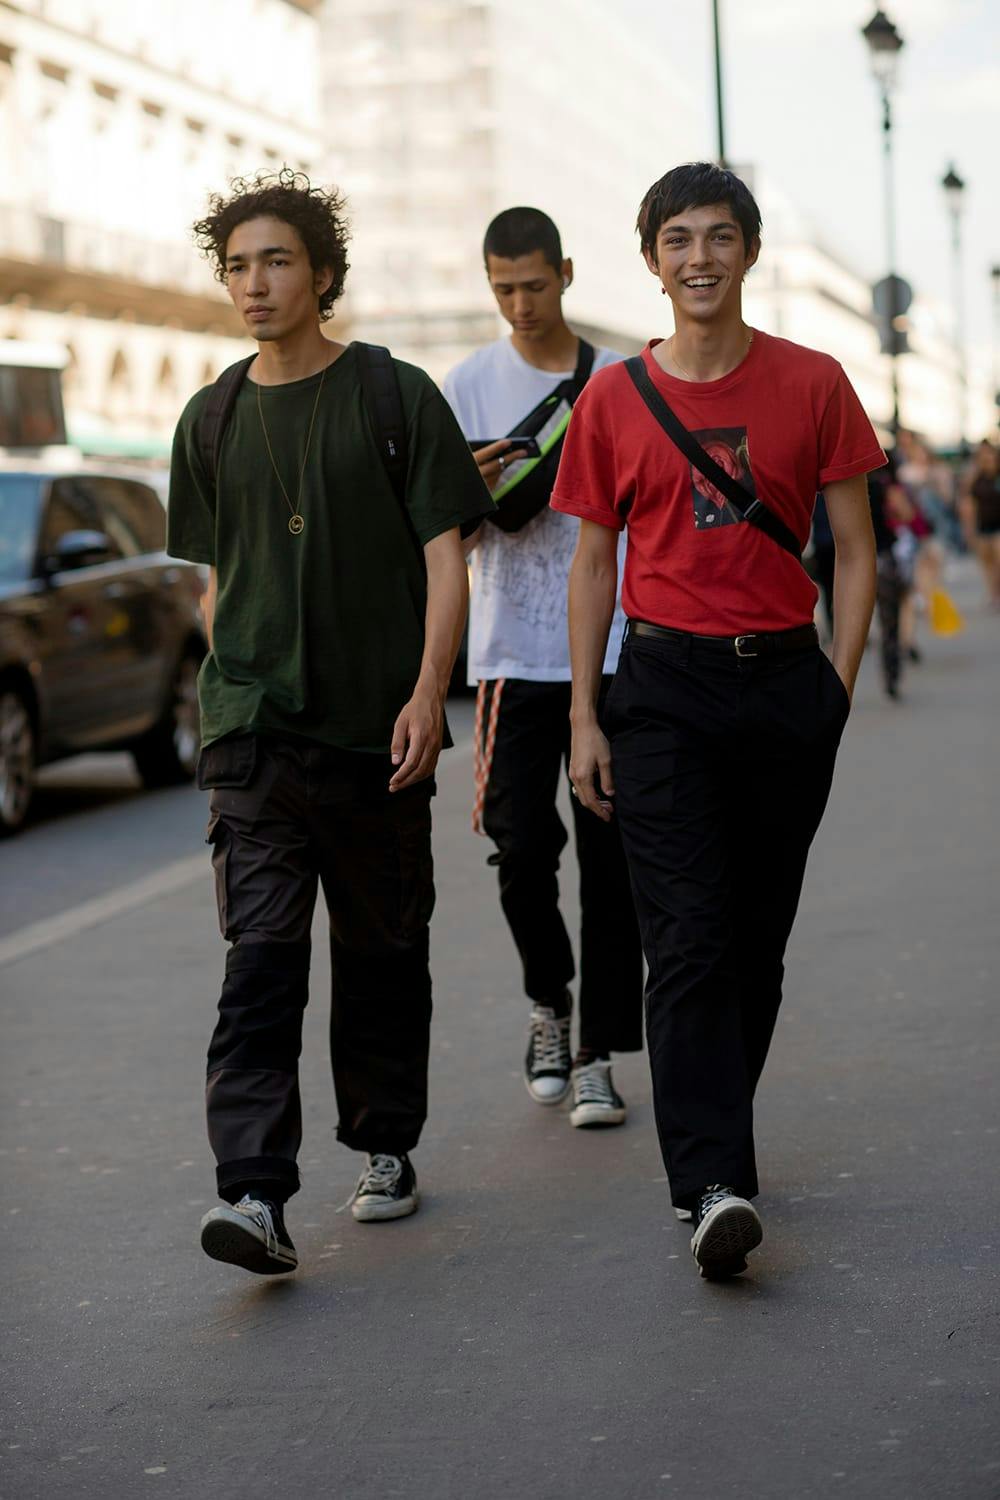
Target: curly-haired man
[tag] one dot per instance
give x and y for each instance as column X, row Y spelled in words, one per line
column 335, row 604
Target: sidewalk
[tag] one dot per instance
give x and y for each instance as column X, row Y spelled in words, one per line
column 538, row 1329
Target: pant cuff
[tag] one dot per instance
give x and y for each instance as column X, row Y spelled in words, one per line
column 401, row 1143
column 230, row 1175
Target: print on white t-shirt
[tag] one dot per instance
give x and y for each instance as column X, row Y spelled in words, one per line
column 517, row 613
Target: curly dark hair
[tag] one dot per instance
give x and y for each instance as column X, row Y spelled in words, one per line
column 318, row 215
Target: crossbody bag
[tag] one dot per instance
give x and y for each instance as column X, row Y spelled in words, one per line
column 528, row 482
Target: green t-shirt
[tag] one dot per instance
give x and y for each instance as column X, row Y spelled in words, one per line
column 318, row 635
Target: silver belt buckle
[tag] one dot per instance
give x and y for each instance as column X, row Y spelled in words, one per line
column 739, row 642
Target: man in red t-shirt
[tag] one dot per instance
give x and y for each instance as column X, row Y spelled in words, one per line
column 724, row 716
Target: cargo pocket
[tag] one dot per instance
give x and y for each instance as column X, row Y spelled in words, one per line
column 217, row 835
column 229, row 762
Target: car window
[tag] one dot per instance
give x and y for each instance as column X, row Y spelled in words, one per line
column 73, row 506
column 20, row 505
column 133, row 515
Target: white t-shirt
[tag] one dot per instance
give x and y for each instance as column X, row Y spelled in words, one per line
column 517, row 613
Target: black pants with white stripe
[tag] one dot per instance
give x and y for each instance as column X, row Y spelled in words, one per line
column 520, row 816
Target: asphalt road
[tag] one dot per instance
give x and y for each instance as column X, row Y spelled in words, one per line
column 538, row 1329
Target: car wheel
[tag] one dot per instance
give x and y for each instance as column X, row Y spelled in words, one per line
column 168, row 754
column 17, row 760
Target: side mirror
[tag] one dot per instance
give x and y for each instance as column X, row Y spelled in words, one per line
column 79, row 549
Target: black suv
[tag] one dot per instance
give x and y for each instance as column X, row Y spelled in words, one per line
column 100, row 634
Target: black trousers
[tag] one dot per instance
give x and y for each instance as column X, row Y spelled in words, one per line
column 519, row 815
column 722, row 771
column 286, row 817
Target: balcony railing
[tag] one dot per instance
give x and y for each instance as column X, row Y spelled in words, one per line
column 37, row 239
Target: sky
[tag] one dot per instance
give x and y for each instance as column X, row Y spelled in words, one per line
column 802, row 106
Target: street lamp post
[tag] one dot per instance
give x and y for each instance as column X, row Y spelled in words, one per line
column 719, row 119
column 995, row 278
column 885, row 45
column 954, row 192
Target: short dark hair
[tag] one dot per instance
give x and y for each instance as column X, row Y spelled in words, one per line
column 519, row 231
column 317, row 214
column 697, row 184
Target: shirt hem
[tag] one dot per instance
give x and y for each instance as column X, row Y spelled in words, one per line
column 459, row 520
column 587, row 513
column 864, row 465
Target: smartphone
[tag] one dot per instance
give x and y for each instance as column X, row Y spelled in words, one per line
column 528, row 444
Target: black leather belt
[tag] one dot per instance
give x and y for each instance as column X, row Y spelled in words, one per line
column 773, row 643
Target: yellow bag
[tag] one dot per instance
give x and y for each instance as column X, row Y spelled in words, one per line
column 945, row 616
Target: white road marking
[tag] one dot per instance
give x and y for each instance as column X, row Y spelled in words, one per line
column 163, row 882
column 124, row 898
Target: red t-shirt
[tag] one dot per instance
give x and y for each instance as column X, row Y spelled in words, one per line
column 785, row 423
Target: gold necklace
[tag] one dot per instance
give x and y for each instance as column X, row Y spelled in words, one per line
column 690, row 377
column 296, row 524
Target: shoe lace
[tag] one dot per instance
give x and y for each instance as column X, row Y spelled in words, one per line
column 381, row 1173
column 592, row 1084
column 258, row 1213
column 717, row 1192
column 549, row 1040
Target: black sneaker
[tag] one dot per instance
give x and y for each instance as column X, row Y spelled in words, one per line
column 726, row 1230
column 250, row 1234
column 548, row 1061
column 596, row 1101
column 387, row 1189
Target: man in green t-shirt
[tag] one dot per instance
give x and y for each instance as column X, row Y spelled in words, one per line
column 334, row 610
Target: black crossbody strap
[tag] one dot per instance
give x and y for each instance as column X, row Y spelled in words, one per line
column 216, row 413
column 584, row 366
column 746, row 505
column 380, row 385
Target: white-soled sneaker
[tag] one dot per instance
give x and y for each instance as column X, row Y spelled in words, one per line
column 250, row 1234
column 684, row 1214
column 727, row 1228
column 596, row 1101
column 387, row 1189
column 548, row 1062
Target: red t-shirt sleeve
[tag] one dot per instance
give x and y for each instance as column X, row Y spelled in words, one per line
column 586, row 483
column 847, row 441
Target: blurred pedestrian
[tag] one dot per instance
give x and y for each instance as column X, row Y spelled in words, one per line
column 981, row 515
column 891, row 588
column 724, row 716
column 824, row 556
column 526, row 384
column 336, row 602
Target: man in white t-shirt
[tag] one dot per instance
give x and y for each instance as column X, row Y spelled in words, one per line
column 519, row 656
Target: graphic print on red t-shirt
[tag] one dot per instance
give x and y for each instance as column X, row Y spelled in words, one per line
column 731, row 451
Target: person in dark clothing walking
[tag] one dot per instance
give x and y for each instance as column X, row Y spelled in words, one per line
column 724, row 716
column 334, row 610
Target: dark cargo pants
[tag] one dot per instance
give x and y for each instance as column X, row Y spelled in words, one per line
column 285, row 817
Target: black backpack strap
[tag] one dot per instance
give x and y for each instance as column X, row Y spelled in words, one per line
column 384, row 401
column 747, row 506
column 216, row 413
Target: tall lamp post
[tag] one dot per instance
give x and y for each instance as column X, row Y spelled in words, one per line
column 954, row 192
column 995, row 278
column 884, row 46
column 719, row 119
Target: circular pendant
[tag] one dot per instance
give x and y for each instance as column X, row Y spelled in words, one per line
column 296, row 524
